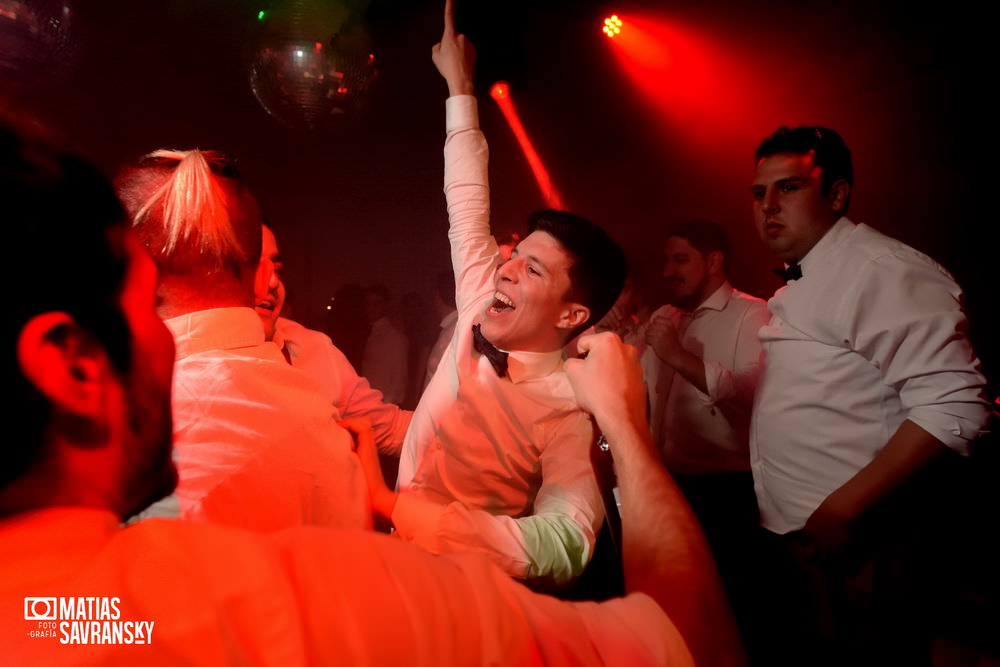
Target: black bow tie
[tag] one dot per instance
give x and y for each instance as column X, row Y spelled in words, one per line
column 793, row 272
column 497, row 357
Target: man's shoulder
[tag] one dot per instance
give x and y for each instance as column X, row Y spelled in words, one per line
column 290, row 329
column 745, row 303
column 300, row 336
column 869, row 245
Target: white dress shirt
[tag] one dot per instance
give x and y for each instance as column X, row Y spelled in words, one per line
column 495, row 465
column 349, row 393
column 873, row 334
column 255, row 441
column 702, row 433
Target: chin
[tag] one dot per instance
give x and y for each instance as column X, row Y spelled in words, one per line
column 494, row 334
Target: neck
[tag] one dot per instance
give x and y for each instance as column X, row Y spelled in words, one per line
column 51, row 483
column 179, row 296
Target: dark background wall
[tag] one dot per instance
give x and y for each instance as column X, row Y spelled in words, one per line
column 906, row 84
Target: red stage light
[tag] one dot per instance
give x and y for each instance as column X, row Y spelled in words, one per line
column 500, row 92
column 612, row 26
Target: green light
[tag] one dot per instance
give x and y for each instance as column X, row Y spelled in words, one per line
column 260, row 15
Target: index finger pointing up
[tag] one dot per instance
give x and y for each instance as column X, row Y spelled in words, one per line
column 449, row 17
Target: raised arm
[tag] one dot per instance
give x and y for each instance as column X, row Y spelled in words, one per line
column 664, row 552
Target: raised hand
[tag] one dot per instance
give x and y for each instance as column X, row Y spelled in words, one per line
column 454, row 56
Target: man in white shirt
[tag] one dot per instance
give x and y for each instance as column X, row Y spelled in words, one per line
column 350, row 394
column 497, row 459
column 701, row 366
column 869, row 380
column 703, row 358
column 256, row 442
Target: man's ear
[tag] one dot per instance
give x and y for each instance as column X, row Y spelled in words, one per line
column 64, row 363
column 573, row 315
column 262, row 279
column 715, row 261
column 839, row 192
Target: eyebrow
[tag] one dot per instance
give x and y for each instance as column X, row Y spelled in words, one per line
column 780, row 181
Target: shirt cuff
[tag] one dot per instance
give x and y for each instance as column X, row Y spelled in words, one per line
column 461, row 113
column 417, row 520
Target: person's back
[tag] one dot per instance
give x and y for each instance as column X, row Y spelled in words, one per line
column 196, row 594
column 255, row 441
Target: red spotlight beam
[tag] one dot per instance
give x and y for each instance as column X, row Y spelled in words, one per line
column 500, row 92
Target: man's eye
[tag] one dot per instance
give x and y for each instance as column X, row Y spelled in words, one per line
column 789, row 187
column 757, row 194
column 532, row 271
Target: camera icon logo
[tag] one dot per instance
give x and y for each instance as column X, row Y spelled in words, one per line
column 40, row 609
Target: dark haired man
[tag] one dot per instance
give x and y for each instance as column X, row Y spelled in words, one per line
column 869, row 378
column 497, row 459
column 702, row 364
column 90, row 361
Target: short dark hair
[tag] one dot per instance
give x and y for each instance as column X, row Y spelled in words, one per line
column 380, row 291
column 704, row 235
column 599, row 266
column 65, row 248
column 830, row 152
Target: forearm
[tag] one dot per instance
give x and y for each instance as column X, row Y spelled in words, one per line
column 389, row 422
column 909, row 450
column 691, row 367
column 551, row 548
column 664, row 551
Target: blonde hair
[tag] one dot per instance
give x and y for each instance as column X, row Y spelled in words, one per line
column 193, row 207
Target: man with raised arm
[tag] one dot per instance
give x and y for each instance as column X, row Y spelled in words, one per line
column 497, row 457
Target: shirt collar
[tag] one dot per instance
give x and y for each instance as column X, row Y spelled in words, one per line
column 523, row 366
column 216, row 329
column 833, row 237
column 718, row 299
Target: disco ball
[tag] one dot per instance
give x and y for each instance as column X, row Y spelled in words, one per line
column 35, row 39
column 314, row 68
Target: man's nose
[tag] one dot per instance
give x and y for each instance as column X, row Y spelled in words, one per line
column 770, row 202
column 509, row 269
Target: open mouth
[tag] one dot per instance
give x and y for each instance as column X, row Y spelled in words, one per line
column 501, row 304
column 265, row 305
